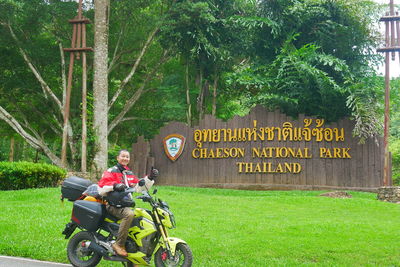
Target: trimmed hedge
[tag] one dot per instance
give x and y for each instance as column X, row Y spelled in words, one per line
column 394, row 147
column 21, row 175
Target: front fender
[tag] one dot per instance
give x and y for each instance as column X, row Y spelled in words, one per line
column 172, row 242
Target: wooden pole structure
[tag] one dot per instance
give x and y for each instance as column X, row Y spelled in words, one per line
column 67, row 100
column 392, row 36
column 78, row 45
column 84, row 104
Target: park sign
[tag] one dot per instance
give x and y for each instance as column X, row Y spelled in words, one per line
column 268, row 153
column 174, row 145
column 264, row 150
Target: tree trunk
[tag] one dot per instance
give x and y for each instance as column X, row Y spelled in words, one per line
column 135, row 97
column 84, row 114
column 214, row 106
column 133, row 70
column 23, row 151
column 200, row 98
column 36, row 143
column 189, row 110
column 12, row 146
column 100, row 84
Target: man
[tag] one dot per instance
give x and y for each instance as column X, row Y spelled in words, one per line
column 113, row 180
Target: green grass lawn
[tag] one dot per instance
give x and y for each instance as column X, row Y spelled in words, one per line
column 229, row 227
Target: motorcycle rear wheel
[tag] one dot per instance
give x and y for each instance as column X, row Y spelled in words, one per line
column 78, row 254
column 183, row 257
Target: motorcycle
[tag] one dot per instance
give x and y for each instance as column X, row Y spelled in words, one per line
column 147, row 238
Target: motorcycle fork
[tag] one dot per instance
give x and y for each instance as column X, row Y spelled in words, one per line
column 164, row 234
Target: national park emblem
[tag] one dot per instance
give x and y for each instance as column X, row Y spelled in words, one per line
column 174, row 145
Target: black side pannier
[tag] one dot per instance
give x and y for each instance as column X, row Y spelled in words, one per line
column 88, row 214
column 73, row 187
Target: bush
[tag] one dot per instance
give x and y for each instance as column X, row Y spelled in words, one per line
column 395, row 150
column 112, row 155
column 21, row 175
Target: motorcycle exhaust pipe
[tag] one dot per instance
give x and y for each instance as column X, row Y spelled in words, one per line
column 98, row 249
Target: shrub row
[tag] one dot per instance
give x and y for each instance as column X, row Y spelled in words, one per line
column 21, row 175
column 395, row 150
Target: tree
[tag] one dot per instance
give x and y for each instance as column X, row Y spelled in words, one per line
column 307, row 57
column 202, row 35
column 35, row 67
column 165, row 60
column 100, row 83
column 27, row 70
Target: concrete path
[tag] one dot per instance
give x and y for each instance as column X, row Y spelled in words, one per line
column 6, row 261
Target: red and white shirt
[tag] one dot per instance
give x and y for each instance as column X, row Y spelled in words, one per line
column 114, row 176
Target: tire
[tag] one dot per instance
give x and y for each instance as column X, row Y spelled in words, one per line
column 80, row 256
column 183, row 257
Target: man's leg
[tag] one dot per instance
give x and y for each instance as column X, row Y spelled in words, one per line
column 126, row 215
column 127, row 218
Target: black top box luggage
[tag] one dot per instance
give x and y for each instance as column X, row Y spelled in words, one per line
column 88, row 214
column 73, row 187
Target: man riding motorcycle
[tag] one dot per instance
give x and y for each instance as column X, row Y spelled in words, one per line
column 117, row 179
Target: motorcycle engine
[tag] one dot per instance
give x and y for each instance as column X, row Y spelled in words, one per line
column 148, row 244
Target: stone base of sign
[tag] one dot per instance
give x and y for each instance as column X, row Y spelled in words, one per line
column 283, row 187
column 389, row 193
column 336, row 194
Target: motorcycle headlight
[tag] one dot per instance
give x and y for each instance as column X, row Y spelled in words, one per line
column 167, row 218
column 164, row 204
column 172, row 218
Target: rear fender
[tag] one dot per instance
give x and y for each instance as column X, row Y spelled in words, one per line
column 172, row 242
column 69, row 229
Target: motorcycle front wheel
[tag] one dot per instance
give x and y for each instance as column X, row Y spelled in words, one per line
column 183, row 257
column 79, row 254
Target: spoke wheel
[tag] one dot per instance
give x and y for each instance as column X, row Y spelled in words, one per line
column 78, row 252
column 183, row 257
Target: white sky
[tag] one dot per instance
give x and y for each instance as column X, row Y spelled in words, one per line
column 394, row 65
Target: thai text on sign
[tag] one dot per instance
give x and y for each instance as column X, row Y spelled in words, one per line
column 269, row 134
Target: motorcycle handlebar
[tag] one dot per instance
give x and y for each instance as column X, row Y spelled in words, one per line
column 145, row 198
column 130, row 190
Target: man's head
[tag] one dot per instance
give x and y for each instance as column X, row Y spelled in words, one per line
column 123, row 157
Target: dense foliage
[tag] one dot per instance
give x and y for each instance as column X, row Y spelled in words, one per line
column 308, row 56
column 178, row 60
column 21, row 175
column 395, row 150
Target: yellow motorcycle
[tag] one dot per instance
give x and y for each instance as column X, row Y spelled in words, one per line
column 148, row 235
